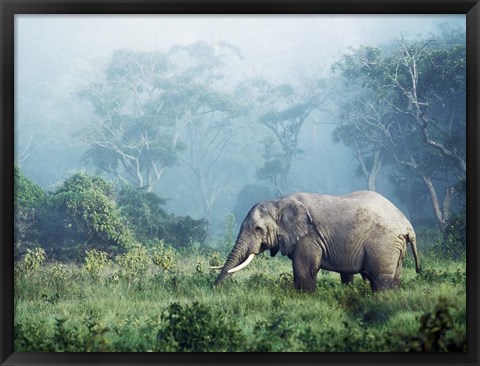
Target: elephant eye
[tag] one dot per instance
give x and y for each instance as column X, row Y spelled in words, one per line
column 258, row 229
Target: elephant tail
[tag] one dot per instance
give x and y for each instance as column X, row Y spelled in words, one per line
column 412, row 239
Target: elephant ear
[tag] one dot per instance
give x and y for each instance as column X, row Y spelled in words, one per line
column 293, row 224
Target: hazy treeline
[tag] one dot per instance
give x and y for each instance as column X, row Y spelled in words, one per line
column 208, row 140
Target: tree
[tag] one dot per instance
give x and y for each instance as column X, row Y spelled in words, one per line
column 430, row 79
column 212, row 117
column 283, row 110
column 138, row 109
column 419, row 89
column 362, row 117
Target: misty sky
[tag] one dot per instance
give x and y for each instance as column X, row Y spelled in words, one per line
column 51, row 47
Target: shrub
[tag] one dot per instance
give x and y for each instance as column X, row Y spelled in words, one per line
column 215, row 259
column 29, row 200
column 150, row 222
column 95, row 261
column 437, row 333
column 196, row 328
column 27, row 193
column 183, row 231
column 57, row 277
column 82, row 215
column 274, row 336
column 454, row 238
column 64, row 337
column 144, row 212
column 33, row 259
column 162, row 256
column 134, row 264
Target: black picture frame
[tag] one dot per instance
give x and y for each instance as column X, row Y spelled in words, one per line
column 9, row 8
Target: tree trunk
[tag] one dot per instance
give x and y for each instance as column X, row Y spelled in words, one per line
column 440, row 215
column 371, row 182
column 370, row 174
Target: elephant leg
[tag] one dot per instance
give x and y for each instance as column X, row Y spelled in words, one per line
column 346, row 277
column 381, row 271
column 381, row 267
column 306, row 264
column 382, row 282
column 364, row 276
column 398, row 272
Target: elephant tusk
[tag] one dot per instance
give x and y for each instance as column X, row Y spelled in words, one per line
column 216, row 267
column 243, row 265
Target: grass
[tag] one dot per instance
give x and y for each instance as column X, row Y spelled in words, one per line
column 140, row 306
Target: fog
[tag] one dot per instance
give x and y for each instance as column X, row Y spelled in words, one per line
column 212, row 171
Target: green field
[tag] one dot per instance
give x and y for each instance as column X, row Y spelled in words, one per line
column 163, row 300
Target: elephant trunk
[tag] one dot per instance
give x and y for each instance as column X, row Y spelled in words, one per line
column 238, row 255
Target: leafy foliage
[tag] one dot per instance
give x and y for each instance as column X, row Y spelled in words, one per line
column 85, row 213
column 32, row 260
column 95, row 261
column 134, row 264
column 151, row 223
column 185, row 231
column 28, row 203
column 144, row 212
column 82, row 214
column 434, row 332
column 195, row 328
column 454, row 243
column 27, row 193
column 163, row 256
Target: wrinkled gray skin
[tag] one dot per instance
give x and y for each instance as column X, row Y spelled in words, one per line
column 361, row 232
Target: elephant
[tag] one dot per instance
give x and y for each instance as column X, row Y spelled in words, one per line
column 361, row 232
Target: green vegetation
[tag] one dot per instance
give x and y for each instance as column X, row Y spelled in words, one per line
column 162, row 299
column 87, row 212
column 110, row 270
column 145, row 215
column 29, row 198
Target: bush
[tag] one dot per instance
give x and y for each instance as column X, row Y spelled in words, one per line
column 27, row 193
column 134, row 264
column 95, row 261
column 454, row 242
column 183, row 231
column 32, row 260
column 437, row 333
column 144, row 213
column 163, row 257
column 82, row 215
column 274, row 336
column 196, row 328
column 29, row 200
column 150, row 222
column 64, row 337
